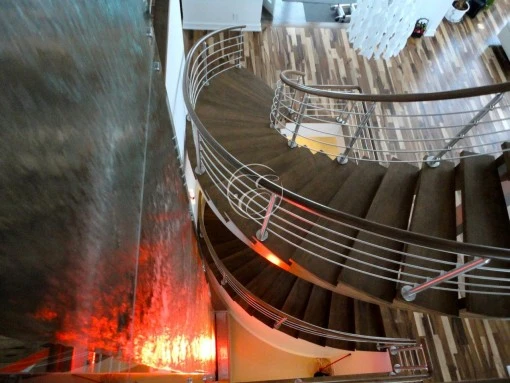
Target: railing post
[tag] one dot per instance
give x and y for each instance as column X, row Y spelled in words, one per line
column 293, row 92
column 262, row 232
column 276, row 106
column 434, row 160
column 240, row 43
column 199, row 169
column 278, row 323
column 409, row 292
column 344, row 158
column 299, row 119
column 340, row 119
column 204, row 60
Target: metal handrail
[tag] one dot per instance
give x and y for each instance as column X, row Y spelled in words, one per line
column 277, row 315
column 411, row 97
column 213, row 165
column 368, row 133
column 322, row 210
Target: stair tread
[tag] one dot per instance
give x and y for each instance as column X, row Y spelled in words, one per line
column 225, row 249
column 238, row 259
column 365, row 178
column 317, row 313
column 368, row 321
column 506, row 156
column 390, row 206
column 320, row 188
column 245, row 273
column 296, row 301
column 486, row 223
column 433, row 215
column 279, row 290
column 341, row 318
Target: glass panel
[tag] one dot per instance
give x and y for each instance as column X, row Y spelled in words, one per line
column 99, row 270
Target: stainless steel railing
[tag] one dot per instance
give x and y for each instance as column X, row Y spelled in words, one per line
column 323, row 237
column 319, row 231
column 346, row 124
column 281, row 318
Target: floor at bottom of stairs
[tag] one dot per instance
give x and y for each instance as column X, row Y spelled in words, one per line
column 461, row 349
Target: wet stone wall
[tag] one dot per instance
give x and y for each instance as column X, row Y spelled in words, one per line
column 96, row 246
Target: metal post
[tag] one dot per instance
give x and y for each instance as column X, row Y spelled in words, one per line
column 199, row 169
column 293, row 92
column 434, row 160
column 340, row 119
column 344, row 158
column 240, row 46
column 204, row 60
column 276, row 109
column 279, row 323
column 262, row 233
column 299, row 119
column 409, row 292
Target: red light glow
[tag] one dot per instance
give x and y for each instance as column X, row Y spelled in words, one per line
column 274, row 259
column 166, row 352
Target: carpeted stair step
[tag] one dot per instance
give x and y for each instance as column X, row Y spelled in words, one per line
column 433, row 215
column 391, row 206
column 341, row 318
column 486, row 223
column 277, row 294
column 237, row 260
column 228, row 93
column 368, row 321
column 247, row 145
column 506, row 156
column 296, row 302
column 317, row 313
column 261, row 285
column 320, row 188
column 245, row 273
column 227, row 248
column 353, row 197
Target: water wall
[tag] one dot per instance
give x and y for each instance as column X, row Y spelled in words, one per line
column 97, row 251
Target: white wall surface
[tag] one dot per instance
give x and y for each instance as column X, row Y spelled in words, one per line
column 174, row 71
column 216, row 14
column 434, row 10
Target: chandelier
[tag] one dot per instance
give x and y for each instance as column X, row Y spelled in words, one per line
column 381, row 28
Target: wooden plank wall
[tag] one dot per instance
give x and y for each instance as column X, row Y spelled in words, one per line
column 460, row 348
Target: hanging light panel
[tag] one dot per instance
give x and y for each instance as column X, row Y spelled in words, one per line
column 381, row 28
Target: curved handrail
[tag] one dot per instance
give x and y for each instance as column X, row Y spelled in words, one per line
column 413, row 238
column 403, row 97
column 290, row 321
column 291, row 232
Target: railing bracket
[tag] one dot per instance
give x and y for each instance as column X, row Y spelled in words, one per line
column 342, row 160
column 199, row 170
column 278, row 324
column 432, row 161
column 408, row 297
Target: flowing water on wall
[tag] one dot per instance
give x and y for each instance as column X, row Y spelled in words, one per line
column 97, row 250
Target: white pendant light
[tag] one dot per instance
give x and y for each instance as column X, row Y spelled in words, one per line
column 381, row 28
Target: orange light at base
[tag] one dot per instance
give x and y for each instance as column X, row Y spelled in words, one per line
column 266, row 253
column 165, row 352
column 274, row 259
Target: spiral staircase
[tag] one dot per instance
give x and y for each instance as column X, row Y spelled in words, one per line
column 311, row 245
